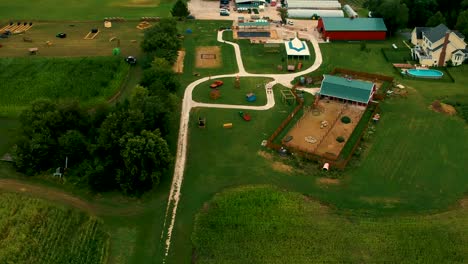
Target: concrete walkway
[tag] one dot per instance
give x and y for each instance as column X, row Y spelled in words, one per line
column 188, row 104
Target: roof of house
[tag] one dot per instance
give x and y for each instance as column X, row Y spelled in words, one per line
column 355, row 24
column 345, row 88
column 419, row 31
column 462, row 50
column 436, row 33
column 296, row 47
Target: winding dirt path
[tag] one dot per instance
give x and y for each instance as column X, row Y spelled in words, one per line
column 62, row 197
column 188, row 104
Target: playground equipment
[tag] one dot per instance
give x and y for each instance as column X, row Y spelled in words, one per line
column 143, row 25
column 326, row 166
column 16, row 28
column 49, row 43
column 227, row 125
column 244, row 116
column 310, row 139
column 250, row 97
column 33, row 51
column 107, row 24
column 92, row 33
column 376, row 118
column 215, row 94
column 237, row 82
column 323, row 124
column 216, row 84
column 201, row 122
column 61, row 35
column 288, row 96
column 131, row 60
column 116, row 51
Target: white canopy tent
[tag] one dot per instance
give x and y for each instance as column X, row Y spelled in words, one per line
column 297, row 48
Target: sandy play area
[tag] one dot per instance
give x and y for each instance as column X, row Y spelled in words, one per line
column 208, row 57
column 311, row 135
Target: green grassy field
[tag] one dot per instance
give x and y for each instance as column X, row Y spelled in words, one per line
column 83, row 10
column 8, row 128
column 232, row 95
column 265, row 224
column 89, row 80
column 34, row 231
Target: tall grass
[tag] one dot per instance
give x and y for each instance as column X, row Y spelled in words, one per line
column 89, row 80
column 33, row 231
column 265, row 225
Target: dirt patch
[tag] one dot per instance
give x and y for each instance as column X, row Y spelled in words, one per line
column 309, row 135
column 464, row 203
column 208, row 57
column 265, row 155
column 178, row 66
column 327, row 181
column 138, row 3
column 281, row 167
column 443, row 108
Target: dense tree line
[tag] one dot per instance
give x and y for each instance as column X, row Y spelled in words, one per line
column 110, row 147
column 411, row 13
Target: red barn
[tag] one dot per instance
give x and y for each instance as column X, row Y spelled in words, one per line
column 340, row 28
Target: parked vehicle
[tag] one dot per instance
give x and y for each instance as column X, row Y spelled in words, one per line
column 216, row 84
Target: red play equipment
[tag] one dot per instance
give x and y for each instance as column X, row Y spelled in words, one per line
column 216, row 84
column 244, row 116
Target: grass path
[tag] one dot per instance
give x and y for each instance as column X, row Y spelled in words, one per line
column 55, row 195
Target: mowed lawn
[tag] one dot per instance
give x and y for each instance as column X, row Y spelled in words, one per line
column 264, row 224
column 36, row 231
column 88, row 80
column 83, row 9
column 232, row 95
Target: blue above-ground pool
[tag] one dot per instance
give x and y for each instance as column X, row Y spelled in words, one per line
column 425, row 73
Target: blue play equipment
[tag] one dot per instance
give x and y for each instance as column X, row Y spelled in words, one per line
column 188, row 31
column 250, row 97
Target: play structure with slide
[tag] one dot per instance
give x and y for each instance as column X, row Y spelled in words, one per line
column 244, row 116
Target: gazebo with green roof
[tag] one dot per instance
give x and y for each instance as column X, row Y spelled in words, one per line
column 347, row 89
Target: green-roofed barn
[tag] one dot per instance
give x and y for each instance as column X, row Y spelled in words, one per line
column 347, row 89
column 342, row 28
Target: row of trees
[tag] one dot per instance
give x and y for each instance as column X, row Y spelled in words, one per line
column 411, row 13
column 110, row 147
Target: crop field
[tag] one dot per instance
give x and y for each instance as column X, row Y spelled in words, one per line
column 89, row 80
column 84, row 10
column 267, row 225
column 33, row 231
column 232, row 95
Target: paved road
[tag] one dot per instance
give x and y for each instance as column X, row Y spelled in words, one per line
column 188, row 104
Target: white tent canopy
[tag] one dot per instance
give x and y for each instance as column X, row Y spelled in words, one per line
column 308, row 13
column 296, row 47
column 314, row 5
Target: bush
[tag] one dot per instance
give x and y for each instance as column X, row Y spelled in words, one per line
column 346, row 119
column 340, row 139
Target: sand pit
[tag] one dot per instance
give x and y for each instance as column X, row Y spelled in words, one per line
column 309, row 126
column 178, row 66
column 208, row 57
column 442, row 108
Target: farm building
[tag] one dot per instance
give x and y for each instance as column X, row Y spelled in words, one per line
column 249, row 3
column 333, row 28
column 347, row 90
column 296, row 49
column 330, row 5
column 309, row 13
column 259, row 28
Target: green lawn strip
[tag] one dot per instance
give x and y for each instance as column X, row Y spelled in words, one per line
column 23, row 10
column 88, row 80
column 232, row 95
column 37, row 231
column 266, row 225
